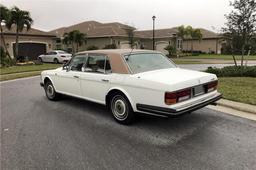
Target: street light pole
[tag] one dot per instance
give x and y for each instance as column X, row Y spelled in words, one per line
column 154, row 17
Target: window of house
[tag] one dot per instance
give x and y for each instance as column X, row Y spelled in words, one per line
column 179, row 44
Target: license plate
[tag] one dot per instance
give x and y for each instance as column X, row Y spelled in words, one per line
column 199, row 90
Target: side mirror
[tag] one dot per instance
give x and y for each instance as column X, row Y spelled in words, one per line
column 65, row 67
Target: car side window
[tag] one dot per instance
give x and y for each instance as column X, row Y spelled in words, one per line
column 50, row 53
column 107, row 66
column 54, row 53
column 77, row 63
column 97, row 64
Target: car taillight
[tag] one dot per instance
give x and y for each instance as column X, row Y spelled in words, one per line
column 175, row 97
column 63, row 56
column 212, row 86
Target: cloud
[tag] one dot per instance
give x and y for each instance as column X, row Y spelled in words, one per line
column 52, row 14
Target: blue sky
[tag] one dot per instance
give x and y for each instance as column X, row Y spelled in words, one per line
column 51, row 14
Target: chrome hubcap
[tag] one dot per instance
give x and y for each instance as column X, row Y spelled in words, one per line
column 50, row 90
column 119, row 109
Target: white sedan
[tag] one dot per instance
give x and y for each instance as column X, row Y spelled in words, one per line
column 57, row 56
column 130, row 82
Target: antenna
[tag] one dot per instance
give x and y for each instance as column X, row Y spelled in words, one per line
column 129, row 54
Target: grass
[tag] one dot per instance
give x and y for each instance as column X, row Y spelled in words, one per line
column 240, row 89
column 14, row 72
column 185, row 62
column 221, row 57
column 19, row 75
column 27, row 68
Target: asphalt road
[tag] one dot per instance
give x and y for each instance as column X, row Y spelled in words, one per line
column 74, row 134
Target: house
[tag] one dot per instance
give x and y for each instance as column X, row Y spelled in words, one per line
column 32, row 43
column 98, row 34
column 210, row 42
column 101, row 34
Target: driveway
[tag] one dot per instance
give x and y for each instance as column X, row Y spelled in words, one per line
column 74, row 134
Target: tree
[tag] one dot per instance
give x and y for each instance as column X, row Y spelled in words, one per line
column 130, row 33
column 171, row 50
column 188, row 31
column 74, row 37
column 20, row 19
column 240, row 26
column 4, row 16
column 182, row 32
column 195, row 34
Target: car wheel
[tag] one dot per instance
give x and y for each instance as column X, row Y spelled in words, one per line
column 56, row 61
column 41, row 60
column 50, row 92
column 121, row 109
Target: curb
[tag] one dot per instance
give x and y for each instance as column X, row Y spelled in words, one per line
column 237, row 106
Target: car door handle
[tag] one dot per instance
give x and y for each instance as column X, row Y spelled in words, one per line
column 104, row 80
column 76, row 77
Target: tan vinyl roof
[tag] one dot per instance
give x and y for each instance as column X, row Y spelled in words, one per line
column 118, row 65
column 30, row 32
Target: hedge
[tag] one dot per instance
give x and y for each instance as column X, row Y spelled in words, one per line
column 233, row 71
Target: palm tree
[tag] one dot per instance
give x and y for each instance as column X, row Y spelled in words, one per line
column 130, row 32
column 68, row 39
column 20, row 19
column 80, row 39
column 182, row 32
column 4, row 16
column 195, row 34
column 73, row 38
column 188, row 31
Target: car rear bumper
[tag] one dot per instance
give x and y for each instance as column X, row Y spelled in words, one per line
column 169, row 111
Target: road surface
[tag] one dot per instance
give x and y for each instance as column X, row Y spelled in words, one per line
column 74, row 134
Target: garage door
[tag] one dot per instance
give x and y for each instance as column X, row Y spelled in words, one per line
column 160, row 47
column 31, row 50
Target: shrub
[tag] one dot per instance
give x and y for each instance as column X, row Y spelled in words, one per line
column 92, row 47
column 233, row 71
column 110, row 46
column 5, row 61
column 171, row 50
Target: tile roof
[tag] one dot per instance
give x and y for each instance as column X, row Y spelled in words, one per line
column 97, row 29
column 170, row 32
column 94, row 29
column 30, row 32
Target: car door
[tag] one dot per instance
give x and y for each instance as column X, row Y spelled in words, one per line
column 48, row 56
column 68, row 80
column 96, row 78
column 45, row 57
column 52, row 56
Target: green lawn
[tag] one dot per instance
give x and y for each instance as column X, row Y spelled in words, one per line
column 221, row 57
column 240, row 89
column 19, row 75
column 28, row 68
column 185, row 62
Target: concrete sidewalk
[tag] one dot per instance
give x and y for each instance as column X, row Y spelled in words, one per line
column 237, row 106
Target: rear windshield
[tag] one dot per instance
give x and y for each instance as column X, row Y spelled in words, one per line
column 63, row 52
column 139, row 63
